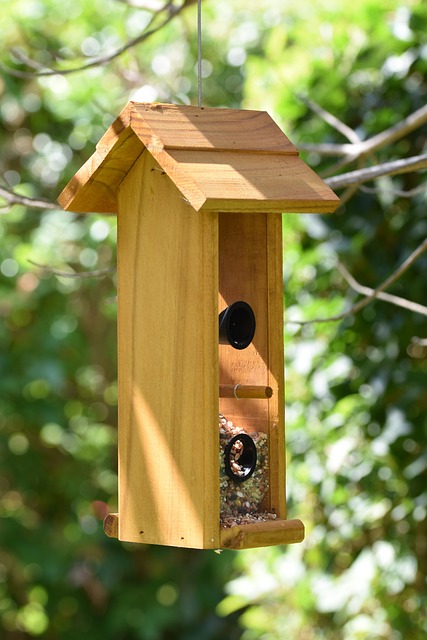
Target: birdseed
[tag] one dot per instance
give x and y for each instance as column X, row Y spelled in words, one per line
column 241, row 502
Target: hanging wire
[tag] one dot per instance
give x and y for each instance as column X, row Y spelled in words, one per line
column 199, row 52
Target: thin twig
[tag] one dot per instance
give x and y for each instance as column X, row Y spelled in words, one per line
column 33, row 203
column 101, row 60
column 95, row 273
column 374, row 292
column 396, row 132
column 367, row 174
column 410, row 193
column 381, row 295
column 348, row 194
column 332, row 120
column 21, row 57
column 336, row 167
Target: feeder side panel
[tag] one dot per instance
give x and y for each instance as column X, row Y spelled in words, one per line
column 250, row 269
column 276, row 405
column 168, row 363
column 243, row 276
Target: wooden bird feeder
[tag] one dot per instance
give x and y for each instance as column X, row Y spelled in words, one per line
column 199, row 195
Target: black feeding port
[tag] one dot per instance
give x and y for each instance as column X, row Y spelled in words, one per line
column 237, row 325
column 240, row 457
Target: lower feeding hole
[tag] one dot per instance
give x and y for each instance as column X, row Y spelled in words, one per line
column 240, row 457
column 244, row 492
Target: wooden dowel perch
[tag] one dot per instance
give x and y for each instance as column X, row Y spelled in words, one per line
column 111, row 525
column 245, row 391
column 262, row 534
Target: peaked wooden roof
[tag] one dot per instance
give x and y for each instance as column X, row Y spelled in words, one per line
column 220, row 160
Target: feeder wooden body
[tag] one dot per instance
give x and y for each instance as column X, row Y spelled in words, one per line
column 199, row 195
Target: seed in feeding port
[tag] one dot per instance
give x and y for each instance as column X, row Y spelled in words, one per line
column 242, row 506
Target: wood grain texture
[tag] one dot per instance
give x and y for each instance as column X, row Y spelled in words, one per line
column 168, row 334
column 158, row 166
column 115, row 130
column 249, row 258
column 276, row 366
column 244, row 182
column 111, row 525
column 220, row 159
column 250, row 269
column 243, row 276
column 94, row 187
column 263, row 534
column 193, row 128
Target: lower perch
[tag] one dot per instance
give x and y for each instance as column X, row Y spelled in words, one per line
column 111, row 525
column 263, row 534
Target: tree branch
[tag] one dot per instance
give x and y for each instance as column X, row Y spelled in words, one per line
column 410, row 193
column 374, row 293
column 381, row 295
column 332, row 120
column 95, row 273
column 394, row 167
column 100, row 60
column 396, row 132
column 33, row 203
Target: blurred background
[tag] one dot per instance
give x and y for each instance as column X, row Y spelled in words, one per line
column 356, row 388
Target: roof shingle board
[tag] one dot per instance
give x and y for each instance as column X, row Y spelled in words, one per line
column 220, row 159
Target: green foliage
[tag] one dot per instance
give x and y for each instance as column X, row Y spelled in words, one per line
column 356, row 395
column 355, row 419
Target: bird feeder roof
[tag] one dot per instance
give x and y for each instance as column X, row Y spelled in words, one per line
column 221, row 160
